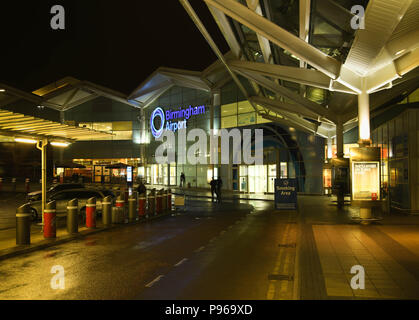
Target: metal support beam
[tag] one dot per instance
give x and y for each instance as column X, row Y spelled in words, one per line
column 279, row 36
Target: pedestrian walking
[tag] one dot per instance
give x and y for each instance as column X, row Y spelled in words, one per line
column 213, row 185
column 182, row 180
column 141, row 188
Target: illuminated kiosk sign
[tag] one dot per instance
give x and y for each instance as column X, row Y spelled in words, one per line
column 172, row 120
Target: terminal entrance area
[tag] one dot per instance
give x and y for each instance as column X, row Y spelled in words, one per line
column 260, row 178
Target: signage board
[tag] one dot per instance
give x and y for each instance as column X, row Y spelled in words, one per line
column 129, row 174
column 366, row 180
column 286, row 194
column 172, row 120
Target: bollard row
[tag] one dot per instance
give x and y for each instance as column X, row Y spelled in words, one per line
column 141, row 207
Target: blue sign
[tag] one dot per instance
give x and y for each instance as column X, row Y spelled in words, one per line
column 286, row 194
column 166, row 119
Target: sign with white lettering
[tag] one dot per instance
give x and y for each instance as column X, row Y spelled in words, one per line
column 286, row 194
column 172, row 120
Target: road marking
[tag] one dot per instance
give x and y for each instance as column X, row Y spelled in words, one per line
column 181, row 262
column 200, row 249
column 213, row 239
column 152, row 283
column 231, row 227
column 222, row 232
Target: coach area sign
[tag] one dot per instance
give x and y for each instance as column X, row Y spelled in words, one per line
column 286, row 194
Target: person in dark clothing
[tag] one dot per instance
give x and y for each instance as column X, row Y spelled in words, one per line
column 141, row 188
column 182, row 180
column 213, row 185
column 219, row 184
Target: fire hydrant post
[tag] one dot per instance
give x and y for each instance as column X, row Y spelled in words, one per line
column 23, row 225
column 73, row 216
column 91, row 213
column 50, row 223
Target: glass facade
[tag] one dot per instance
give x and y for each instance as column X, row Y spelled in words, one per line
column 397, row 139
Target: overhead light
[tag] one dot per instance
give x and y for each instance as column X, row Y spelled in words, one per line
column 23, row 140
column 400, row 52
column 60, row 144
column 2, row 90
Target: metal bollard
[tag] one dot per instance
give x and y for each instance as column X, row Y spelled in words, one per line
column 152, row 202
column 14, row 184
column 91, row 213
column 23, row 225
column 118, row 216
column 120, row 201
column 169, row 200
column 164, row 201
column 141, row 205
column 132, row 208
column 159, row 204
column 27, row 187
column 107, row 211
column 50, row 223
column 73, row 216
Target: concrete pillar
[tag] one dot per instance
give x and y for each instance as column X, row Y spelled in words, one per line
column 364, row 117
column 340, row 154
column 329, row 148
column 339, row 139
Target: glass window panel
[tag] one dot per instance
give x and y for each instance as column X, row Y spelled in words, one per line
column 228, row 122
column 122, row 125
column 245, row 107
column 260, row 119
column 228, row 109
column 247, row 119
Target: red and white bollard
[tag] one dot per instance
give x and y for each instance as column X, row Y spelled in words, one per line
column 141, row 205
column 91, row 213
column 120, row 201
column 27, row 188
column 50, row 223
column 1, row 184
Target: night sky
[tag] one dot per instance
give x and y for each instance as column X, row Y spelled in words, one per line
column 116, row 44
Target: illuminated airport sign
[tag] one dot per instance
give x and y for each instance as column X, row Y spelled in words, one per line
column 172, row 120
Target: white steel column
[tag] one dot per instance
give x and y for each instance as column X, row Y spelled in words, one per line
column 364, row 116
column 339, row 139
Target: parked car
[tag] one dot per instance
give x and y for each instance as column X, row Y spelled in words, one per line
column 63, row 197
column 37, row 195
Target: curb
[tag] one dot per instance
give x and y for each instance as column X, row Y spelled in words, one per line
column 20, row 250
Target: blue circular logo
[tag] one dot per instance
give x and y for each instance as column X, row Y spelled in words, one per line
column 157, row 113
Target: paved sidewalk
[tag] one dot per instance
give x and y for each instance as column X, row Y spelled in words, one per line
column 331, row 244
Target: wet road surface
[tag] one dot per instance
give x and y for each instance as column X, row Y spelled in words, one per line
column 224, row 251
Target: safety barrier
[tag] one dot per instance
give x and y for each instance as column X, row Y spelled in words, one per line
column 141, row 206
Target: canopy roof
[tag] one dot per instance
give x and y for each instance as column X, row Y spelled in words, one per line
column 22, row 126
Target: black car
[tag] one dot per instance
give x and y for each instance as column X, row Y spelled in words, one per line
column 37, row 195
